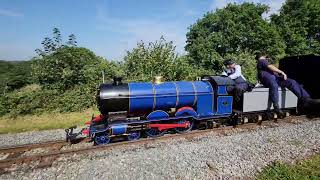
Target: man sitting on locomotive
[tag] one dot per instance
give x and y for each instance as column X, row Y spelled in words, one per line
column 233, row 71
column 272, row 77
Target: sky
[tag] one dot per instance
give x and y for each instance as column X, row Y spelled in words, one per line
column 109, row 28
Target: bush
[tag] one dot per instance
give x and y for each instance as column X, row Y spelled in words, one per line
column 27, row 102
column 65, row 68
column 40, row 100
column 77, row 99
column 14, row 75
column 159, row 58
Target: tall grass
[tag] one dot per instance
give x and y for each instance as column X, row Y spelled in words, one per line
column 44, row 121
column 306, row 169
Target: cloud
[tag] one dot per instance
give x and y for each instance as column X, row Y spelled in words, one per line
column 10, row 13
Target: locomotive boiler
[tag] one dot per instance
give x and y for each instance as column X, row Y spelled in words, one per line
column 149, row 99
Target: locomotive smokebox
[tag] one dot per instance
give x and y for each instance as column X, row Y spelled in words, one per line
column 113, row 97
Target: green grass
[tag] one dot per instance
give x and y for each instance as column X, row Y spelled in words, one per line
column 44, row 122
column 306, row 169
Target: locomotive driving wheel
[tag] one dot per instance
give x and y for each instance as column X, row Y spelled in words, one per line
column 155, row 132
column 134, row 135
column 101, row 138
column 184, row 130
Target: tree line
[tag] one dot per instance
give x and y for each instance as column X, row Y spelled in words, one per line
column 63, row 77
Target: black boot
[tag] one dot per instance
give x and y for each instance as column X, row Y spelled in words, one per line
column 307, row 105
column 277, row 110
column 279, row 113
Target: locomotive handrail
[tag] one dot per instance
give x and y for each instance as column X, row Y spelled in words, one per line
column 161, row 95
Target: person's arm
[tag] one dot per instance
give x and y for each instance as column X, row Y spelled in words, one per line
column 224, row 73
column 275, row 69
column 237, row 72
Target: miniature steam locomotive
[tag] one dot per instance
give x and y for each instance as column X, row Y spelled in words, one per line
column 132, row 109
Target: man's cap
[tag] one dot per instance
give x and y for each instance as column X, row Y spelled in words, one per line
column 228, row 62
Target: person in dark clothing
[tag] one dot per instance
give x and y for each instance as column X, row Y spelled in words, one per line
column 233, row 71
column 272, row 77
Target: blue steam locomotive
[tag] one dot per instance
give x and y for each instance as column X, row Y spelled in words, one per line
column 130, row 109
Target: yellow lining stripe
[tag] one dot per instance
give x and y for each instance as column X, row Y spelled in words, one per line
column 212, row 96
column 129, row 97
column 154, row 97
column 177, row 92
column 195, row 94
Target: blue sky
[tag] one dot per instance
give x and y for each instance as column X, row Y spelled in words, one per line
column 109, row 27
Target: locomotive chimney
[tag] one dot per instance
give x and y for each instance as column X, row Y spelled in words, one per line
column 117, row 81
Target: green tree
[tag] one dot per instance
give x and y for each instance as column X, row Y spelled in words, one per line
column 67, row 67
column 72, row 41
column 14, row 75
column 232, row 30
column 50, row 45
column 299, row 25
column 146, row 61
column 159, row 58
column 183, row 70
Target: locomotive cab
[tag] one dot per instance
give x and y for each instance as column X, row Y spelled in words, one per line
column 223, row 100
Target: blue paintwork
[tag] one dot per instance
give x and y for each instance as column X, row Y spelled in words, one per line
column 186, row 112
column 102, row 139
column 157, row 98
column 186, row 94
column 95, row 131
column 134, row 136
column 224, row 105
column 151, row 97
column 141, row 97
column 222, row 90
column 165, row 95
column 157, row 115
column 205, row 96
column 153, row 132
column 119, row 129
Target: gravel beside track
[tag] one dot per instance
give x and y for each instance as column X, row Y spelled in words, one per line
column 235, row 155
column 7, row 140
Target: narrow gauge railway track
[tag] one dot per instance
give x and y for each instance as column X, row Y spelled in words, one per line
column 15, row 151
column 10, row 163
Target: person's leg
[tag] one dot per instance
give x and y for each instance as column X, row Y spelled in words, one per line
column 240, row 89
column 293, row 86
column 305, row 103
column 269, row 81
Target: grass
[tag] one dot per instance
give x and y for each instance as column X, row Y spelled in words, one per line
column 44, row 122
column 305, row 169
